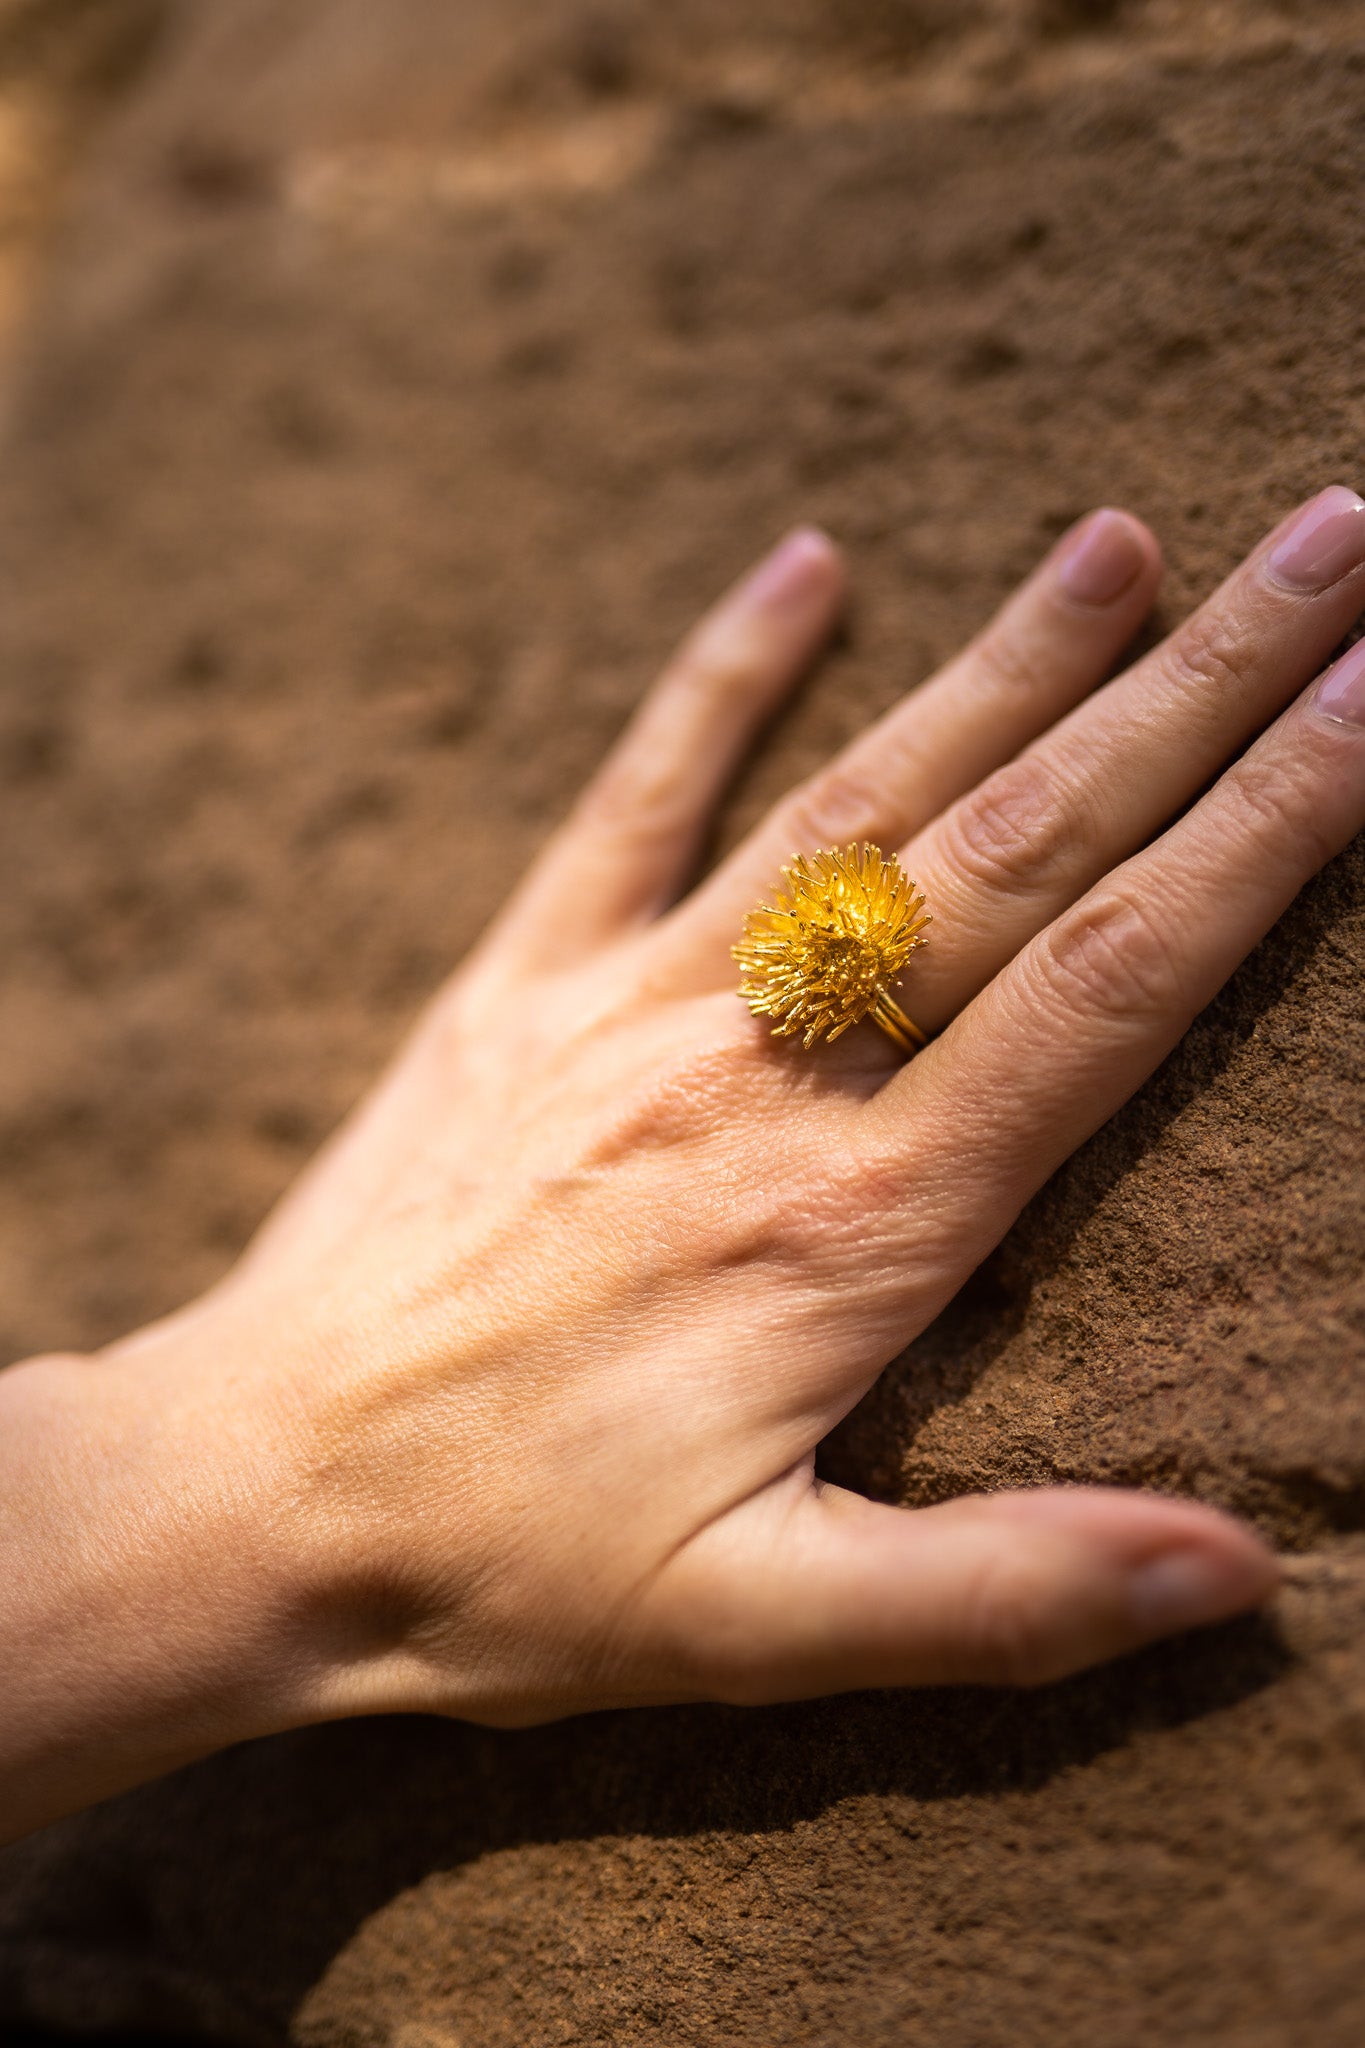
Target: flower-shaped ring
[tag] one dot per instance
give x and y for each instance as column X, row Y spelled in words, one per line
column 828, row 952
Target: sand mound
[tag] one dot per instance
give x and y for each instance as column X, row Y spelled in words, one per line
column 406, row 381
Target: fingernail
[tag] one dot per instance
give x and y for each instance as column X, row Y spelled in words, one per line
column 1191, row 1588
column 1325, row 540
column 1100, row 560
column 1341, row 693
column 789, row 571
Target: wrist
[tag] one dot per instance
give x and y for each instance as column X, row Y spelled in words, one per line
column 148, row 1614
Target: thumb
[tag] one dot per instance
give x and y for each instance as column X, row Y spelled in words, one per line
column 808, row 1589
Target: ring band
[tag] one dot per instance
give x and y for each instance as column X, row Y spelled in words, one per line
column 829, row 950
column 900, row 1029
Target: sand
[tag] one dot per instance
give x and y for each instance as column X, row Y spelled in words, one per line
column 404, row 381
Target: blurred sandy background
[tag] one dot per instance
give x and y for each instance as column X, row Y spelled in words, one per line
column 386, row 388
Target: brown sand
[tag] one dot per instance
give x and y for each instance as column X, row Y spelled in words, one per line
column 408, row 378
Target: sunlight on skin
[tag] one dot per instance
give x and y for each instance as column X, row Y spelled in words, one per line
column 511, row 1410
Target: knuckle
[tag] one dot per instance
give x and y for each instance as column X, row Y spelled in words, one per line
column 645, row 798
column 712, row 671
column 1005, row 1619
column 795, row 1229
column 841, row 1224
column 1017, row 828
column 1010, row 663
column 1210, row 658
column 843, row 803
column 1111, row 957
column 686, row 1100
column 1276, row 804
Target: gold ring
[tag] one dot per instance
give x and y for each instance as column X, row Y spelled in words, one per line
column 827, row 953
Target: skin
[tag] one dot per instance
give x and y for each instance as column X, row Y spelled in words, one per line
column 510, row 1411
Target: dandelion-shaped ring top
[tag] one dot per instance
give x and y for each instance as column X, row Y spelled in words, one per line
column 828, row 952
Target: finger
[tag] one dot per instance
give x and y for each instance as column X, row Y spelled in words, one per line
column 998, row 865
column 1079, row 1019
column 635, row 833
column 1051, row 644
column 815, row 1591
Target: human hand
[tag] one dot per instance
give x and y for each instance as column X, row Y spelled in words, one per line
column 511, row 1410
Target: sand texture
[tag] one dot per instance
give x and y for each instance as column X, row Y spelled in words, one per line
column 405, row 381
